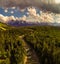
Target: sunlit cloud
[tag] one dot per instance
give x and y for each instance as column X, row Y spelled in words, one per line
column 13, row 7
column 33, row 17
column 22, row 10
column 32, row 11
column 5, row 10
column 57, row 1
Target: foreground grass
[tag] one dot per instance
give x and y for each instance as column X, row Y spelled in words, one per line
column 45, row 40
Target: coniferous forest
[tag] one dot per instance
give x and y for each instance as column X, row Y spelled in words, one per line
column 16, row 42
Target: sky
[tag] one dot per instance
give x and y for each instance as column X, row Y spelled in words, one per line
column 30, row 10
column 16, row 11
column 30, row 14
column 37, row 3
column 12, row 11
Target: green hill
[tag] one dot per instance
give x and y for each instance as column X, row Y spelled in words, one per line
column 4, row 26
column 44, row 40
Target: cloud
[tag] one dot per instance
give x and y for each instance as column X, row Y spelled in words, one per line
column 32, row 11
column 22, row 10
column 5, row 19
column 13, row 7
column 41, row 4
column 33, row 17
column 5, row 10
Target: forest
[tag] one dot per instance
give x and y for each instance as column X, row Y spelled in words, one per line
column 45, row 40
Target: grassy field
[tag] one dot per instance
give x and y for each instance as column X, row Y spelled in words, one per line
column 45, row 40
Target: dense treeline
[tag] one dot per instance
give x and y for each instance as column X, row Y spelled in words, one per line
column 44, row 39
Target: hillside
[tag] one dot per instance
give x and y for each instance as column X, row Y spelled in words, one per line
column 29, row 45
column 3, row 26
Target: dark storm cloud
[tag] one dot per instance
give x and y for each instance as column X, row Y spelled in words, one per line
column 19, row 3
column 25, row 3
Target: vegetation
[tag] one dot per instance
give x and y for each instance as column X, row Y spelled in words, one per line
column 45, row 40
